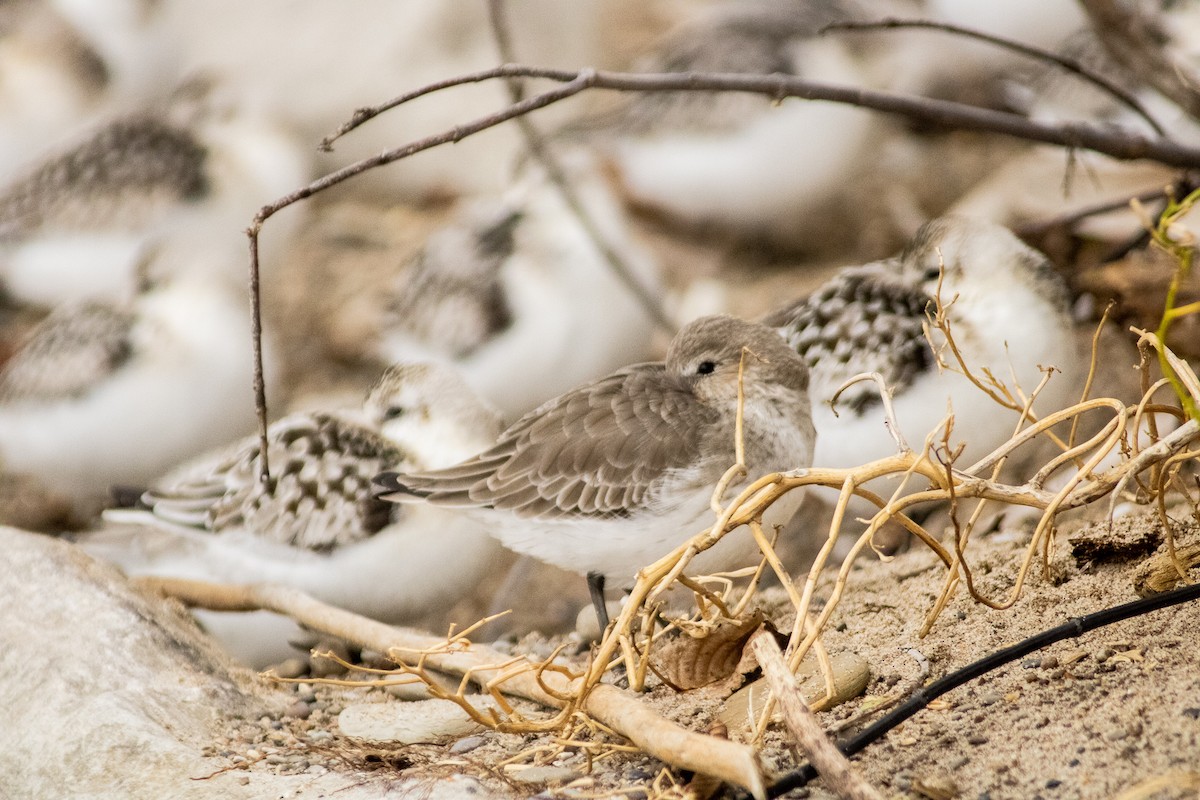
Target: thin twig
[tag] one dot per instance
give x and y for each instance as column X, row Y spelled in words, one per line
column 1027, row 230
column 1036, row 53
column 834, row 767
column 544, row 155
column 260, row 385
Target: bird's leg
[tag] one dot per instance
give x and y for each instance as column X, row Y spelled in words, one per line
column 595, row 582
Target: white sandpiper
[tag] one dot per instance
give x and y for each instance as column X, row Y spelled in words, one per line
column 316, row 526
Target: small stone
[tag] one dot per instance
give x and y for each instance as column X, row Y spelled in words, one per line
column 1103, row 655
column 467, row 744
column 1192, row 713
column 959, row 763
column 298, row 710
column 1049, row 662
column 409, row 723
column 1115, row 735
column 991, row 698
column 291, row 668
column 320, row 736
column 244, row 780
column 1053, row 783
column 1074, row 762
column 1031, row 663
column 976, row 739
column 547, row 774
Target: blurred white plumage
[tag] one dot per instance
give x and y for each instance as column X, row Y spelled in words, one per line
column 179, row 179
column 740, row 162
column 317, row 527
column 515, row 293
column 103, row 393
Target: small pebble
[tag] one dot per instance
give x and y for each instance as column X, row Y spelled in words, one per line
column 976, row 739
column 466, row 744
column 299, row 710
column 990, row 698
column 1115, row 735
column 542, row 774
column 959, row 763
column 1053, row 783
column 1193, row 713
column 320, row 736
column 244, row 780
column 1049, row 662
column 1103, row 655
column 1031, row 663
column 291, row 668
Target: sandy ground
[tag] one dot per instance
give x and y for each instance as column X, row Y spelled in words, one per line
column 1085, row 718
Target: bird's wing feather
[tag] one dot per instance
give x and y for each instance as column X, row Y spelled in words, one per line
column 123, row 175
column 601, row 450
column 67, row 353
column 864, row 320
column 319, row 496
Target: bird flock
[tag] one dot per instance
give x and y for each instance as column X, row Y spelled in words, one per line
column 453, row 362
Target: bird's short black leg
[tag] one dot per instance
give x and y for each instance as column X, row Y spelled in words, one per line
column 595, row 582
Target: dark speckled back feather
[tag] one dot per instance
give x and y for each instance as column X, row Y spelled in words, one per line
column 863, row 320
column 615, row 441
column 319, row 496
column 453, row 294
column 119, row 176
column 67, row 353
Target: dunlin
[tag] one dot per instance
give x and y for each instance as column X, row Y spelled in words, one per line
column 316, row 526
column 607, row 478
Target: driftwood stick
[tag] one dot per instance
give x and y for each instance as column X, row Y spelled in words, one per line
column 731, row 762
column 835, row 768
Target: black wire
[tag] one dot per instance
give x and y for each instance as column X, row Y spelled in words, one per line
column 922, row 697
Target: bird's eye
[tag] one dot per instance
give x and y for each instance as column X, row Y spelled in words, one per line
column 932, row 274
column 394, row 412
column 706, row 367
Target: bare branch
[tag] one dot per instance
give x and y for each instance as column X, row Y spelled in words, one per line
column 1118, row 144
column 260, row 385
column 1036, row 53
